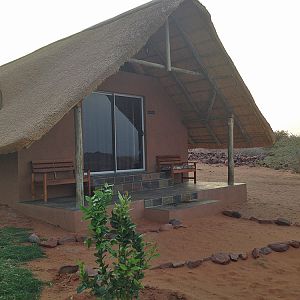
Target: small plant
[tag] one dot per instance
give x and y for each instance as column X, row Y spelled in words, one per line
column 122, row 255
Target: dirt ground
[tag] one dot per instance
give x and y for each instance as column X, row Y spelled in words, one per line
column 276, row 276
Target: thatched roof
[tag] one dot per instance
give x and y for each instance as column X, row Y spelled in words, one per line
column 40, row 88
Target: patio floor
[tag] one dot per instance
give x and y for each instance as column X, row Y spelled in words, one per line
column 171, row 191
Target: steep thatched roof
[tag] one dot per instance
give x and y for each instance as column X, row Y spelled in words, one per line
column 40, row 88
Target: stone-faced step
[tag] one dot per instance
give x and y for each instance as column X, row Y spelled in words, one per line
column 170, row 199
column 99, row 180
column 142, row 185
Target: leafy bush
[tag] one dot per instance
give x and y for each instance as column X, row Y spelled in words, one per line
column 121, row 253
column 285, row 153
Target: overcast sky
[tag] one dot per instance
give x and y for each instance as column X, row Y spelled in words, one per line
column 261, row 36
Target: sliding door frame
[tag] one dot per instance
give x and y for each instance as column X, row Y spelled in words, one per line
column 114, row 133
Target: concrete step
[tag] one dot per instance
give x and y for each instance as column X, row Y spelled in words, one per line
column 182, row 210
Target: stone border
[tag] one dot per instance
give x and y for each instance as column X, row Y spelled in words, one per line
column 54, row 242
column 278, row 221
column 223, row 258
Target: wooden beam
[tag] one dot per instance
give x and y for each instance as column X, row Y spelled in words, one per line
column 189, row 98
column 230, row 151
column 163, row 67
column 78, row 156
column 168, row 47
column 212, row 102
column 210, row 79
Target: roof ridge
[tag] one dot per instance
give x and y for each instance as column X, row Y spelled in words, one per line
column 124, row 14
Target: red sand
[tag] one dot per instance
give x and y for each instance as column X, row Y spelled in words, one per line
column 276, row 276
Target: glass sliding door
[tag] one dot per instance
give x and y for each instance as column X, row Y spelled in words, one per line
column 113, row 132
column 129, row 133
column 98, row 136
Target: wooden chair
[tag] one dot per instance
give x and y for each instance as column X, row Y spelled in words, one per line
column 175, row 165
column 54, row 172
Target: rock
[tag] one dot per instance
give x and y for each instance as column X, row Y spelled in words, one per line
column 282, row 222
column 178, row 264
column 294, row 244
column 194, row 263
column 50, row 243
column 220, row 258
column 234, row 257
column 66, row 240
column 255, row 253
column 165, row 265
column 253, row 219
column 175, row 222
column 279, row 247
column 80, row 238
column 243, row 256
column 208, row 258
column 265, row 250
column 33, row 238
column 68, row 269
column 92, row 272
column 231, row 213
column 166, row 227
column 262, row 221
column 297, row 224
column 179, row 226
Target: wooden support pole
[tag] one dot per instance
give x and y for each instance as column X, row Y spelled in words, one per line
column 230, row 151
column 168, row 47
column 78, row 156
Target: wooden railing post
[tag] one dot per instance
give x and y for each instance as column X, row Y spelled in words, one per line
column 78, row 156
column 230, row 151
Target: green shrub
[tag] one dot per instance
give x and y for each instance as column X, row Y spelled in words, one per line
column 122, row 255
column 285, row 153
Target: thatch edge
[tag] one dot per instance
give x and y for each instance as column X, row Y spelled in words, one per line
column 260, row 117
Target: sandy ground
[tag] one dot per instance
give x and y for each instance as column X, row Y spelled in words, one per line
column 276, row 276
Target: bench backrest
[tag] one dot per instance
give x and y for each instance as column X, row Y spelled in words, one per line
column 167, row 158
column 52, row 166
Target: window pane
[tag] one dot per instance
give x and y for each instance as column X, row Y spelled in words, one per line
column 97, row 132
column 129, row 133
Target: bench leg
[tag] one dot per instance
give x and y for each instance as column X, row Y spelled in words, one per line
column 32, row 187
column 195, row 177
column 45, row 187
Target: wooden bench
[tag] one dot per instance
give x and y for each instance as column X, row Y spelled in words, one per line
column 175, row 165
column 54, row 172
